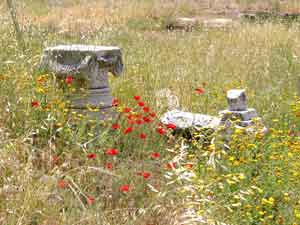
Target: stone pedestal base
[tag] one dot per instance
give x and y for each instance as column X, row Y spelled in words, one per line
column 246, row 115
column 95, row 98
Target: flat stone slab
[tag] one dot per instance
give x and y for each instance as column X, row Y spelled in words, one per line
column 182, row 23
column 217, row 23
column 97, row 49
column 184, row 120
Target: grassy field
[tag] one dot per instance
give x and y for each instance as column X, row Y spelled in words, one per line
column 53, row 172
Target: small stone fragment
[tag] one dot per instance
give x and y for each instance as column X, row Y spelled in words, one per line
column 237, row 100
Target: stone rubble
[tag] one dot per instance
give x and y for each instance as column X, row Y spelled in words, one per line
column 189, row 24
column 182, row 23
column 237, row 109
column 218, row 23
column 237, row 113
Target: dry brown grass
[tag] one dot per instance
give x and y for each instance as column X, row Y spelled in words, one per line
column 89, row 16
column 92, row 15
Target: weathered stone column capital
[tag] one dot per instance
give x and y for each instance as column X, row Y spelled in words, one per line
column 66, row 59
column 89, row 66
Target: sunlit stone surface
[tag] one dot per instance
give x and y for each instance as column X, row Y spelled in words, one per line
column 184, row 120
column 218, row 23
column 237, row 100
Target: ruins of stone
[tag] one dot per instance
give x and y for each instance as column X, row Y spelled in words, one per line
column 92, row 65
column 237, row 113
column 237, row 109
column 189, row 24
column 182, row 23
column 218, row 23
column 89, row 65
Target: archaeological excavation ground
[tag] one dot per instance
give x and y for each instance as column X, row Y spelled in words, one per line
column 149, row 112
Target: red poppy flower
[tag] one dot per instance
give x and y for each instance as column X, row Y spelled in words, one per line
column 62, row 184
column 171, row 126
column 161, row 131
column 137, row 97
column 130, row 117
column 143, row 136
column 128, row 130
column 142, row 104
column 92, row 155
column 153, row 114
column 147, row 119
column 90, row 200
column 69, row 79
column 155, row 155
column 146, row 109
column 115, row 102
column 139, row 122
column 115, row 126
column 127, row 110
column 35, row 104
column 146, row 175
column 112, row 152
column 124, row 188
column 130, row 122
column 171, row 165
column 109, row 166
column 199, row 90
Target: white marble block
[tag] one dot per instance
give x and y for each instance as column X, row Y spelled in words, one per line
column 237, row 100
column 184, row 120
